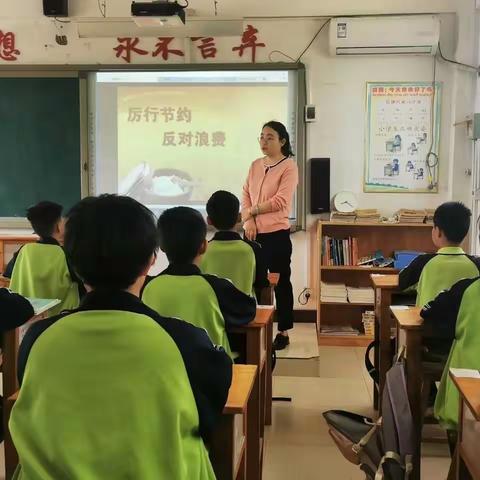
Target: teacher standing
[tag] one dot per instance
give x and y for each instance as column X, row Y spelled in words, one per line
column 266, row 203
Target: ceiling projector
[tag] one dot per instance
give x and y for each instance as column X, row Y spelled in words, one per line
column 159, row 13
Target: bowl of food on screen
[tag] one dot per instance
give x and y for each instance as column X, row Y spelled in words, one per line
column 169, row 186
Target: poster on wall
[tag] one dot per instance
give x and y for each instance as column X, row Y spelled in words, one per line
column 402, row 137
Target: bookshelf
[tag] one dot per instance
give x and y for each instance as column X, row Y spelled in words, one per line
column 370, row 238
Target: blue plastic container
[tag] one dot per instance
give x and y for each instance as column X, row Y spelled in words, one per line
column 403, row 258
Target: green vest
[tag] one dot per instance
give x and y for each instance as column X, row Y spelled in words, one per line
column 41, row 271
column 189, row 298
column 106, row 395
column 465, row 353
column 442, row 272
column 231, row 259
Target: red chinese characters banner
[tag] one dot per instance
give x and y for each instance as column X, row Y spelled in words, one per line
column 8, row 51
column 128, row 48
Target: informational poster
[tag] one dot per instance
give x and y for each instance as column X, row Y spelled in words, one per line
column 403, row 132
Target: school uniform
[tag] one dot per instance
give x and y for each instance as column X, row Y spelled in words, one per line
column 453, row 317
column 230, row 256
column 14, row 310
column 433, row 273
column 203, row 300
column 41, row 271
column 114, row 390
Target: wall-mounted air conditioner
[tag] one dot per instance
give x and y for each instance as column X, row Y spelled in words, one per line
column 405, row 35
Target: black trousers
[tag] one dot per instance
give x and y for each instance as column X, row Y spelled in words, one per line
column 277, row 252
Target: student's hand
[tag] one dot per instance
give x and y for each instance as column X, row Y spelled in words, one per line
column 250, row 229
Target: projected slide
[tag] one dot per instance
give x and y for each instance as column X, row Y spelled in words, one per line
column 175, row 138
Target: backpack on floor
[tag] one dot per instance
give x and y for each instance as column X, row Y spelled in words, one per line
column 383, row 450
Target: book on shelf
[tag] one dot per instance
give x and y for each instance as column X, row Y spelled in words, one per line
column 405, row 215
column 370, row 215
column 339, row 252
column 362, row 295
column 343, row 217
column 336, row 330
column 333, row 292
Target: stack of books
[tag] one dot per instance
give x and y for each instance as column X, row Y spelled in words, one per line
column 361, row 295
column 368, row 320
column 429, row 212
column 339, row 252
column 411, row 216
column 334, row 331
column 343, row 217
column 333, row 292
column 370, row 215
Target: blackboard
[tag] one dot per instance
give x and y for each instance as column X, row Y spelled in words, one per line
column 39, row 143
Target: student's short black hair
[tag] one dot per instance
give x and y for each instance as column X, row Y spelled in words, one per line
column 182, row 230
column 223, row 209
column 453, row 219
column 109, row 240
column 44, row 216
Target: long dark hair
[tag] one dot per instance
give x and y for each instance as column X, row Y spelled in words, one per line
column 283, row 135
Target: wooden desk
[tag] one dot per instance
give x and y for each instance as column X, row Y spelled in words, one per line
column 230, row 445
column 13, row 240
column 468, row 447
column 268, row 293
column 384, row 286
column 259, row 335
column 409, row 320
column 4, row 282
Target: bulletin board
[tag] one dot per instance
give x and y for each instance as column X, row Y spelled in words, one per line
column 402, row 137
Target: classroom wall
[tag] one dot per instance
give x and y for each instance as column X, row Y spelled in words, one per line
column 335, row 85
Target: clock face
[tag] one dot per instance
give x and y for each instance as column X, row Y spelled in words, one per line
column 345, row 202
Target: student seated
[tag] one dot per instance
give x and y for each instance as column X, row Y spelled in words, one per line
column 228, row 255
column 453, row 318
column 40, row 270
column 433, row 273
column 182, row 291
column 113, row 389
column 14, row 310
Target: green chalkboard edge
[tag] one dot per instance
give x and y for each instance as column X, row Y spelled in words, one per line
column 21, row 223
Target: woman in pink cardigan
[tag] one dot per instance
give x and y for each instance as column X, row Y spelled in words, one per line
column 266, row 203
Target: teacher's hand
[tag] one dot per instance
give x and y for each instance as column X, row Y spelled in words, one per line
column 250, row 230
column 246, row 214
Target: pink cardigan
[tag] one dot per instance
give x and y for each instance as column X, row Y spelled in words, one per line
column 276, row 185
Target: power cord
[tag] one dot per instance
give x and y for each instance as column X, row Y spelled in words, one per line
column 466, row 65
column 305, row 49
column 305, row 294
column 431, row 155
column 103, row 11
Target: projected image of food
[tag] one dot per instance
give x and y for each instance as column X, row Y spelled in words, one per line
column 179, row 144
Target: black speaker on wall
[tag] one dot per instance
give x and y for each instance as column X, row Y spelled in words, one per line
column 55, row 8
column 319, row 185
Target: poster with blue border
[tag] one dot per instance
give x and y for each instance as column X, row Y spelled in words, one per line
column 402, row 137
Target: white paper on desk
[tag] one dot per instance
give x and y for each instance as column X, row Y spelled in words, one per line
column 41, row 305
column 465, row 373
column 400, row 307
column 265, row 307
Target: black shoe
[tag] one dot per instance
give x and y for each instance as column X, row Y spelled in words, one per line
column 280, row 342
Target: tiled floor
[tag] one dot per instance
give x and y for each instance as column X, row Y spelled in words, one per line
column 298, row 445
